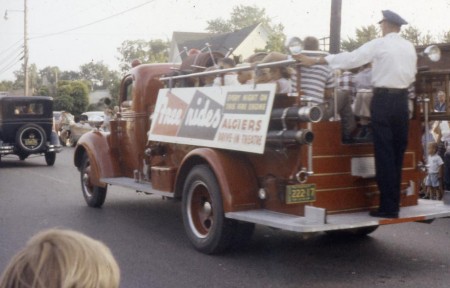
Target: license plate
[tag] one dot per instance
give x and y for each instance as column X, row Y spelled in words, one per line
column 31, row 142
column 300, row 193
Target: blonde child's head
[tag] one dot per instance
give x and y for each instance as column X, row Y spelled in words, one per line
column 58, row 258
column 432, row 148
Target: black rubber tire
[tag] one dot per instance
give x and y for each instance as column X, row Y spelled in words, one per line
column 26, row 131
column 355, row 232
column 94, row 195
column 50, row 158
column 202, row 209
column 242, row 234
column 23, row 156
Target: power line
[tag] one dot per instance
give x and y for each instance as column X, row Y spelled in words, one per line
column 92, row 23
column 18, row 41
column 12, row 63
column 8, row 55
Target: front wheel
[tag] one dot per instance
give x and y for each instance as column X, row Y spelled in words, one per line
column 94, row 195
column 203, row 216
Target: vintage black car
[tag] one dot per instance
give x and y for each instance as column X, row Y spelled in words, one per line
column 26, row 127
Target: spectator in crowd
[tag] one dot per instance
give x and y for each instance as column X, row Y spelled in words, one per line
column 208, row 80
column 317, row 83
column 282, row 77
column 434, row 164
column 109, row 115
column 347, row 83
column 228, row 78
column 440, row 105
column 58, row 258
column 363, row 87
column 245, row 76
column 263, row 75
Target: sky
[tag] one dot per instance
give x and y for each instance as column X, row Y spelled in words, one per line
column 71, row 33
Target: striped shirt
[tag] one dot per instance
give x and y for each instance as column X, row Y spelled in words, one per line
column 315, row 80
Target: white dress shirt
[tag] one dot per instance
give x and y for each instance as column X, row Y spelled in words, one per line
column 394, row 61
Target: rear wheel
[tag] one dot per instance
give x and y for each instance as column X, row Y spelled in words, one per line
column 50, row 158
column 242, row 234
column 30, row 138
column 203, row 216
column 23, row 156
column 354, row 232
column 94, row 195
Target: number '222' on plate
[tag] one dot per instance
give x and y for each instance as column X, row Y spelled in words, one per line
column 300, row 193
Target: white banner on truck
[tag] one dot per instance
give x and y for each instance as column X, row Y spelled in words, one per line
column 227, row 117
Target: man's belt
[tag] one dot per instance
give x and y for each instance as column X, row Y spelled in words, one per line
column 389, row 90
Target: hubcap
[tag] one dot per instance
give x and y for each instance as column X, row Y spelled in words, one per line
column 200, row 210
column 87, row 187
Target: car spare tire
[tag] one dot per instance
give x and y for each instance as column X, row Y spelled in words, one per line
column 31, row 138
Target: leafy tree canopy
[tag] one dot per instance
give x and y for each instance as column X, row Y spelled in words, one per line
column 96, row 73
column 243, row 16
column 411, row 33
column 363, row 35
column 146, row 51
column 77, row 91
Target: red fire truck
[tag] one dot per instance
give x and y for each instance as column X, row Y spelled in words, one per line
column 241, row 155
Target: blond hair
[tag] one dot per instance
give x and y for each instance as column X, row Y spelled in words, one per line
column 58, row 258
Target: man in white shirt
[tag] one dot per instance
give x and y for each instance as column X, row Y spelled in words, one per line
column 394, row 66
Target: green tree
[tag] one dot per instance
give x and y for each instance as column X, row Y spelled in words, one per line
column 63, row 103
column 114, row 87
column 43, row 91
column 77, row 91
column 219, row 25
column 50, row 74
column 146, row 51
column 69, row 75
column 416, row 37
column 34, row 79
column 6, row 85
column 96, row 73
column 445, row 37
column 363, row 35
column 20, row 79
column 276, row 39
column 243, row 16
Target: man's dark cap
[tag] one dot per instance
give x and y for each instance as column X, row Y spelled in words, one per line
column 393, row 18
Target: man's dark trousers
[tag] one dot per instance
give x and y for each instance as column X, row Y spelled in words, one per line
column 390, row 123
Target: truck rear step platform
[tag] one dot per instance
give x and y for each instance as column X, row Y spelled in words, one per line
column 316, row 220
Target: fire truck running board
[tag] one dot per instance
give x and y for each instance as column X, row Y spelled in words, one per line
column 425, row 210
column 130, row 183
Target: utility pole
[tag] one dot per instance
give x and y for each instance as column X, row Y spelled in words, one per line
column 25, row 44
column 335, row 26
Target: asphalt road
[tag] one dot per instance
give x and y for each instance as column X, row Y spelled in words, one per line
column 147, row 238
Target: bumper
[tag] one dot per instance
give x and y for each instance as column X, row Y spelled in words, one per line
column 8, row 149
column 54, row 148
column 316, row 220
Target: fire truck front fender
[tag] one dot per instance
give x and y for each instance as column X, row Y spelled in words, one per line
column 102, row 161
column 234, row 173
